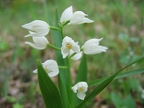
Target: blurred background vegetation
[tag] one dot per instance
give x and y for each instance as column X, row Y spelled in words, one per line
column 119, row 22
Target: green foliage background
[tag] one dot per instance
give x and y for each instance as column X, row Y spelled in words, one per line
column 119, row 22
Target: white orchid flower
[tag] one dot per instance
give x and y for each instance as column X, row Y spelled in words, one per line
column 39, row 43
column 66, row 15
column 67, row 45
column 92, row 47
column 51, row 67
column 77, row 17
column 37, row 28
column 80, row 88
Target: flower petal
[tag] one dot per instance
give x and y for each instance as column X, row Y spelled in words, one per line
column 52, row 67
column 95, row 50
column 90, row 41
column 81, row 95
column 84, row 85
column 77, row 56
column 35, row 71
column 35, row 46
column 39, row 43
column 66, row 15
column 74, row 88
column 65, row 52
column 76, row 47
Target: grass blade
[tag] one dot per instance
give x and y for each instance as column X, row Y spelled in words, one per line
column 49, row 91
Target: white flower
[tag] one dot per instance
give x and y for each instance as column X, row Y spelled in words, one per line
column 77, row 17
column 80, row 88
column 67, row 45
column 39, row 43
column 92, row 47
column 51, row 67
column 66, row 15
column 37, row 28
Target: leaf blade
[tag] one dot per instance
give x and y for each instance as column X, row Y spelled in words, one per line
column 122, row 75
column 49, row 91
column 82, row 71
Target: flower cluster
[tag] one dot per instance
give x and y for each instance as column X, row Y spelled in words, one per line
column 69, row 47
column 39, row 29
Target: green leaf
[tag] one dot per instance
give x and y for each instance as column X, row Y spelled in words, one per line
column 116, row 99
column 81, row 76
column 49, row 91
column 82, row 71
column 134, row 84
column 122, row 75
column 100, row 87
column 129, row 102
column 17, row 105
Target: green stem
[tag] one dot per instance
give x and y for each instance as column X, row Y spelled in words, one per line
column 54, row 47
column 62, row 32
column 67, row 64
column 55, row 28
column 71, row 55
column 70, row 81
column 65, row 23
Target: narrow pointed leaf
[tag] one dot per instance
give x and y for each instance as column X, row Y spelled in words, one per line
column 122, row 75
column 48, row 89
column 82, row 71
column 100, row 87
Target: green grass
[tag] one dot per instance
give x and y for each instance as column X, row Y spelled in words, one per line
column 120, row 23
